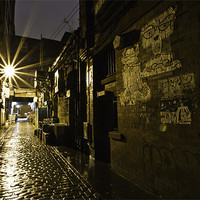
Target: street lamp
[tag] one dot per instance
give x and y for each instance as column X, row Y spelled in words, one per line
column 9, row 71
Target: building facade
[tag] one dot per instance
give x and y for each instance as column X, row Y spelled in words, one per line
column 142, row 71
column 68, row 89
column 7, row 30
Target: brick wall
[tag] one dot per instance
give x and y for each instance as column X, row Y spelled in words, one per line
column 158, row 111
column 90, row 106
column 63, row 110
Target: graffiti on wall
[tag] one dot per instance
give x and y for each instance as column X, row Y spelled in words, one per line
column 175, row 111
column 168, row 117
column 175, row 87
column 135, row 88
column 181, row 116
column 153, row 35
column 175, row 167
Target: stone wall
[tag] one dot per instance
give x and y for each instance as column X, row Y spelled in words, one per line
column 158, row 103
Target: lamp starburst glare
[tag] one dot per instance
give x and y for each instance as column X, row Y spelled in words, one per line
column 9, row 71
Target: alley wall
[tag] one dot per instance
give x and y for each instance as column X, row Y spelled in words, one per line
column 158, row 102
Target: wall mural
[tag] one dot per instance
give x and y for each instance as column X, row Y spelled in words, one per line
column 153, row 35
column 181, row 116
column 135, row 88
column 175, row 111
column 174, row 87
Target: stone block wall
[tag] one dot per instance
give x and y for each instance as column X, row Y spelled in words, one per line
column 158, row 102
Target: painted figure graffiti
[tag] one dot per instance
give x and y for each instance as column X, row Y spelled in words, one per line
column 174, row 87
column 153, row 34
column 135, row 88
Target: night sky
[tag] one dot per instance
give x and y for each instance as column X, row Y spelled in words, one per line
column 36, row 17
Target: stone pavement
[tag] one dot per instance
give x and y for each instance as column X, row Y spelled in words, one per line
column 101, row 176
column 31, row 170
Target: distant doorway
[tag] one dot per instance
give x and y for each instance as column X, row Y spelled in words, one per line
column 22, row 120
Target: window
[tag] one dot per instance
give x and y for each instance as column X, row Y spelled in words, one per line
column 111, row 69
column 104, row 63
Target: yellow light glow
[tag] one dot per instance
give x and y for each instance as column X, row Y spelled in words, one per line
column 9, row 71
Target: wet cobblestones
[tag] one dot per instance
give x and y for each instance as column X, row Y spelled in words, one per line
column 32, row 170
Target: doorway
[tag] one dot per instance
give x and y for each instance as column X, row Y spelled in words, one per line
column 105, row 122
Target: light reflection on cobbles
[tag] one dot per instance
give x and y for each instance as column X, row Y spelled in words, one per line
column 28, row 170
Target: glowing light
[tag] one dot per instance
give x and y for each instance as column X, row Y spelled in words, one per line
column 14, row 103
column 35, row 99
column 9, row 68
column 163, row 127
column 9, row 71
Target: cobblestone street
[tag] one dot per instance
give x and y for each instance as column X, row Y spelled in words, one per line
column 31, row 170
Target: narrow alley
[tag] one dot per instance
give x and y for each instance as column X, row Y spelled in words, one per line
column 30, row 170
column 107, row 109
